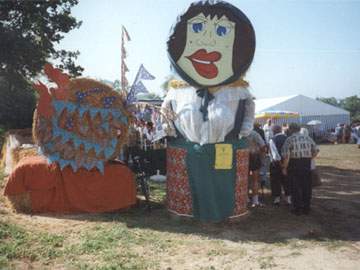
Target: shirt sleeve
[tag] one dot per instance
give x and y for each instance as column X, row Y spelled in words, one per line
column 166, row 112
column 249, row 117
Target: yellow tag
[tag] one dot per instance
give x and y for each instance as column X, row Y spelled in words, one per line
column 223, row 156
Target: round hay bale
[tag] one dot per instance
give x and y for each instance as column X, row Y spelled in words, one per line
column 21, row 203
column 82, row 123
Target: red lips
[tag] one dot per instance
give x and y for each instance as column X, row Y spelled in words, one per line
column 203, row 63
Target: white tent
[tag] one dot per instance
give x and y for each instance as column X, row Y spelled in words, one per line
column 308, row 109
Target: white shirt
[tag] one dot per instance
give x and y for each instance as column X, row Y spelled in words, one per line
column 268, row 132
column 185, row 103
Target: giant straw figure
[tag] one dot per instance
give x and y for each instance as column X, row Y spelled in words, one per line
column 211, row 46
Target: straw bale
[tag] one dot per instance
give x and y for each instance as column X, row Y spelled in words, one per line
column 86, row 95
column 21, row 203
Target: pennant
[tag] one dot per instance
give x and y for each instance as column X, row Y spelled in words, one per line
column 70, row 107
column 125, row 33
column 144, row 74
column 124, row 67
column 124, row 120
column 93, row 112
column 73, row 165
column 88, row 166
column 87, row 146
column 140, row 88
column 137, row 88
column 100, row 166
column 59, row 106
column 108, row 151
column 104, row 113
column 63, row 163
column 105, row 125
column 65, row 137
column 77, row 142
column 116, row 114
column 97, row 148
column 49, row 146
column 114, row 142
column 82, row 110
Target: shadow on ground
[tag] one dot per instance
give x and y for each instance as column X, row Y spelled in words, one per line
column 335, row 216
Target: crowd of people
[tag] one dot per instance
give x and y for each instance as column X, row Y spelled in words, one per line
column 286, row 153
column 348, row 133
column 291, row 152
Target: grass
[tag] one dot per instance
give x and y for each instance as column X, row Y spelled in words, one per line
column 113, row 247
column 138, row 239
column 17, row 243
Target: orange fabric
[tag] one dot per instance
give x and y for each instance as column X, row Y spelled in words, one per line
column 53, row 190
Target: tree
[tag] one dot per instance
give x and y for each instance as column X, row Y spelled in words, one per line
column 332, row 101
column 17, row 104
column 352, row 104
column 29, row 31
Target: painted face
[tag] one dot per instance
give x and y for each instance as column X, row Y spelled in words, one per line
column 208, row 53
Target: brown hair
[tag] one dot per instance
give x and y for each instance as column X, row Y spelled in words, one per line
column 244, row 44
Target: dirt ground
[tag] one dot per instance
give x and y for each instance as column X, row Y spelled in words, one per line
column 268, row 237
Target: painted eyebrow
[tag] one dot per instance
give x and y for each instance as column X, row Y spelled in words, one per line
column 200, row 16
column 228, row 22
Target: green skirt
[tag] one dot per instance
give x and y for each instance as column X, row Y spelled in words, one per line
column 212, row 190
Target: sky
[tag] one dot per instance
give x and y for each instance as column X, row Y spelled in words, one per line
column 308, row 47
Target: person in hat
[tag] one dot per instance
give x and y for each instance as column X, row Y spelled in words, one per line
column 297, row 152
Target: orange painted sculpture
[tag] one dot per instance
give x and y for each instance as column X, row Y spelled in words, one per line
column 79, row 127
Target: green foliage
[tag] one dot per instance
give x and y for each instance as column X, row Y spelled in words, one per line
column 351, row 104
column 2, row 135
column 332, row 101
column 17, row 104
column 17, row 243
column 29, row 31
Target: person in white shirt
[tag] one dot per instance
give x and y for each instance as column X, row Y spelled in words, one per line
column 268, row 130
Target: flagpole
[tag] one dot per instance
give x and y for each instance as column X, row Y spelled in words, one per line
column 124, row 34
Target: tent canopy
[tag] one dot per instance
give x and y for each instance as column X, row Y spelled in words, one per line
column 305, row 106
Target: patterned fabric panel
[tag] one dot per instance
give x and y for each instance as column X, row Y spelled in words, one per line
column 178, row 189
column 177, row 185
column 241, row 185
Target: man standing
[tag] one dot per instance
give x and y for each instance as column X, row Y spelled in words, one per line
column 268, row 130
column 297, row 152
column 277, row 178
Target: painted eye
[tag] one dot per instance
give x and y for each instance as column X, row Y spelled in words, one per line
column 197, row 27
column 222, row 30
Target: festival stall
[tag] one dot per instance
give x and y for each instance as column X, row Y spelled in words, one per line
column 278, row 117
column 79, row 127
column 211, row 47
